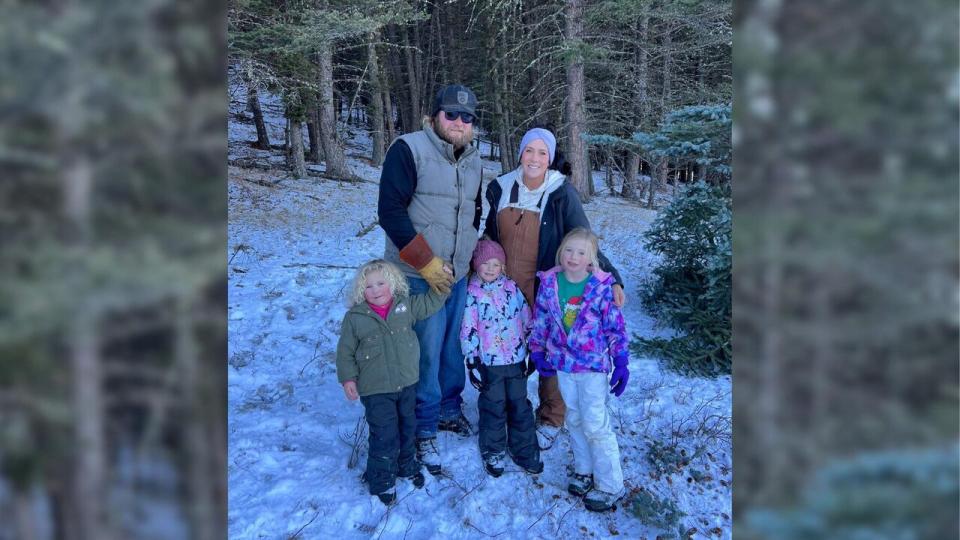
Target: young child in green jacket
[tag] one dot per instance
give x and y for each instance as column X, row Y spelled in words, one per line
column 378, row 361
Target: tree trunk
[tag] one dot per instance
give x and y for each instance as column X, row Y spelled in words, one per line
column 200, row 484
column 313, row 133
column 87, row 404
column 413, row 81
column 770, row 361
column 253, row 102
column 579, row 161
column 641, row 82
column 630, row 188
column 391, row 134
column 25, row 527
column 298, row 168
column 376, row 103
column 657, row 176
column 608, row 177
column 398, row 82
column 666, row 98
column 335, row 159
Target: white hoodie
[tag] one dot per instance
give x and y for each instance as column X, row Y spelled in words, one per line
column 527, row 199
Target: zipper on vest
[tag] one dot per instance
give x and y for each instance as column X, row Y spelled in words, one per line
column 456, row 227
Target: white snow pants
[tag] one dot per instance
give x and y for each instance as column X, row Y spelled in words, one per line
column 595, row 448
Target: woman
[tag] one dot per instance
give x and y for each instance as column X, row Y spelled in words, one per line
column 531, row 209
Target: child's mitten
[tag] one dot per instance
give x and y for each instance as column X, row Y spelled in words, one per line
column 474, row 364
column 544, row 367
column 621, row 374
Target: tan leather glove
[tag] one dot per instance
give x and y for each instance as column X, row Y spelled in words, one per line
column 419, row 255
column 439, row 279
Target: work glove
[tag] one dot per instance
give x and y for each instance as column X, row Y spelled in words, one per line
column 474, row 364
column 419, row 255
column 440, row 280
column 621, row 374
column 543, row 367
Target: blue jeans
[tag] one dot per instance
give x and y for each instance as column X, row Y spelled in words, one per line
column 442, row 373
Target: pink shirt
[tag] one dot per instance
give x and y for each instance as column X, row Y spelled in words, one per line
column 381, row 310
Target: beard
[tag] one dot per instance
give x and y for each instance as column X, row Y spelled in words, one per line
column 458, row 140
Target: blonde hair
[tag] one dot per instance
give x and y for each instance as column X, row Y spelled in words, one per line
column 582, row 233
column 391, row 273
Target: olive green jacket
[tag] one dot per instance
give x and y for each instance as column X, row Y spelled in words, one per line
column 383, row 355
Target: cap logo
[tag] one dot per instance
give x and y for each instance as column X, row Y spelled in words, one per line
column 462, row 97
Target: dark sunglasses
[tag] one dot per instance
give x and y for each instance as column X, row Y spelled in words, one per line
column 466, row 117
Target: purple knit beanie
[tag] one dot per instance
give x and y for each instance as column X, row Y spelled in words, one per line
column 486, row 250
column 542, row 134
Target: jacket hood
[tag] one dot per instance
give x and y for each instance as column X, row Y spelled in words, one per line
column 552, row 182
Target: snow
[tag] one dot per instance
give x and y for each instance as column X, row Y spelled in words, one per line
column 292, row 249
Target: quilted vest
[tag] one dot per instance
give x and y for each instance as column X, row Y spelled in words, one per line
column 443, row 205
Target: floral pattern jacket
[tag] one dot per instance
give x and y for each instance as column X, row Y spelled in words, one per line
column 598, row 336
column 496, row 321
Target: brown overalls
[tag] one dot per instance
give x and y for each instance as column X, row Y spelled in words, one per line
column 520, row 238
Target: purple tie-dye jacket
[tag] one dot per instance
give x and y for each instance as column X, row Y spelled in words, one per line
column 496, row 321
column 598, row 336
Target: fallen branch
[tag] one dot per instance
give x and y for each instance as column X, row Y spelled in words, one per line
column 364, row 229
column 544, row 514
column 297, row 534
column 318, row 265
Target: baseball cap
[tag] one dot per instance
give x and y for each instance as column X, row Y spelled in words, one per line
column 455, row 98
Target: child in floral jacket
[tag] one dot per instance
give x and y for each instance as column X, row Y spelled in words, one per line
column 493, row 334
column 578, row 332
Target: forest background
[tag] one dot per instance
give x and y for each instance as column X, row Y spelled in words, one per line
column 845, row 248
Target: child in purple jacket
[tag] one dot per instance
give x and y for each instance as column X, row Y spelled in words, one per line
column 493, row 338
column 578, row 332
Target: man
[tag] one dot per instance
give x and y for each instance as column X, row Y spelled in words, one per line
column 429, row 206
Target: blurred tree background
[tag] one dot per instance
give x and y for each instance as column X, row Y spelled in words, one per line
column 112, row 302
column 846, row 269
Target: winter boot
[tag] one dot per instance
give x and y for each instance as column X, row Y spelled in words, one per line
column 494, row 464
column 417, row 479
column 388, row 496
column 458, row 425
column 429, row 455
column 601, row 501
column 580, row 484
column 535, row 467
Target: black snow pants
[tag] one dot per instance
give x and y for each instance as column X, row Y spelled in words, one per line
column 503, row 404
column 392, row 423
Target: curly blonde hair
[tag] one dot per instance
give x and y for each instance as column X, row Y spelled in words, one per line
column 391, row 273
column 582, row 233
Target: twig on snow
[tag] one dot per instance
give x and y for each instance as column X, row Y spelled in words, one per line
column 354, row 441
column 300, row 530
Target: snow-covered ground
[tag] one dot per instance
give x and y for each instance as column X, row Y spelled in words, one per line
column 293, row 472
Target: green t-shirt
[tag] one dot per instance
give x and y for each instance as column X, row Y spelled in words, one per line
column 571, row 298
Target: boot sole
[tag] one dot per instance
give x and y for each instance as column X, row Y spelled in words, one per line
column 434, row 469
column 611, row 508
column 494, row 473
